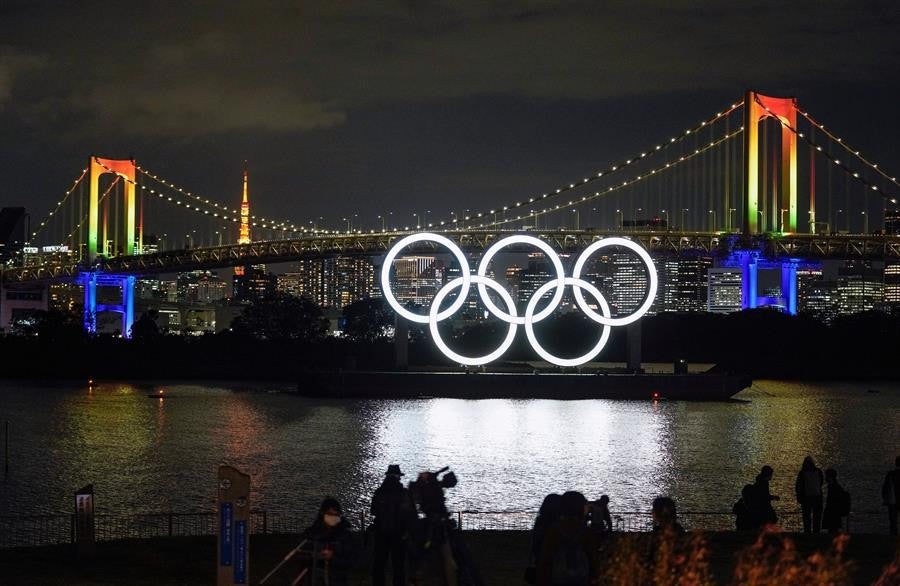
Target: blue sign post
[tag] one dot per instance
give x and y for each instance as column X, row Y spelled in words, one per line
column 234, row 522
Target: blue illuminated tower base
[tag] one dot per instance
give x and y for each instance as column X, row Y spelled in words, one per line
column 750, row 262
column 95, row 279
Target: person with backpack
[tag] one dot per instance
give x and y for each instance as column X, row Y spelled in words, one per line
column 808, row 489
column 837, row 503
column 570, row 552
column 744, row 519
column 890, row 494
column 395, row 515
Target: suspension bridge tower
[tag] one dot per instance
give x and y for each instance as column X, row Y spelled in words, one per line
column 757, row 109
column 93, row 277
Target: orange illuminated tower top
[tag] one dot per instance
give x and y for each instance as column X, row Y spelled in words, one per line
column 244, row 237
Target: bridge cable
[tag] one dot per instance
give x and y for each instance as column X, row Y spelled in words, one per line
column 611, row 169
column 84, row 217
column 615, row 188
column 849, row 149
column 59, row 204
column 285, row 224
column 855, row 174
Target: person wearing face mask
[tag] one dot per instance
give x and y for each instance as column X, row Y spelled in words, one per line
column 332, row 547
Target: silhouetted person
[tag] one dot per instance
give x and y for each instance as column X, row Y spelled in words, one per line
column 395, row 516
column 547, row 517
column 744, row 516
column 665, row 516
column 601, row 520
column 570, row 552
column 837, row 504
column 890, row 494
column 763, row 511
column 808, row 489
column 331, row 546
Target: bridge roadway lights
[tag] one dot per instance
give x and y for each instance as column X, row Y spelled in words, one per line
column 750, row 299
column 96, row 279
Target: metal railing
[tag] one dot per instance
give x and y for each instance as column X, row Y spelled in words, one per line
column 35, row 530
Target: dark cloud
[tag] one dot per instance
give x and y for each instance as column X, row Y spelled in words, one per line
column 370, row 107
column 155, row 69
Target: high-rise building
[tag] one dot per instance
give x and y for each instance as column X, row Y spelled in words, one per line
column 13, row 231
column 859, row 287
column 330, row 282
column 724, row 286
column 684, row 284
column 892, row 285
column 253, row 285
column 513, row 280
column 629, row 283
column 538, row 272
column 820, row 300
column 354, row 279
column 200, row 287
column 290, row 284
column 416, row 279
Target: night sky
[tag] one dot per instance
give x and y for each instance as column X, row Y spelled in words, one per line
column 371, row 107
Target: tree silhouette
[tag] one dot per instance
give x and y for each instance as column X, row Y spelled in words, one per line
column 368, row 320
column 145, row 330
column 282, row 317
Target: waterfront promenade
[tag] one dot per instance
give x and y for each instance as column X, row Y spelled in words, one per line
column 501, row 556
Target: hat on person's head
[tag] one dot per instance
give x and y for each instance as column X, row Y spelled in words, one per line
column 331, row 503
column 393, row 469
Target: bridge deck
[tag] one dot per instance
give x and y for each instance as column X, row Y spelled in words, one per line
column 718, row 244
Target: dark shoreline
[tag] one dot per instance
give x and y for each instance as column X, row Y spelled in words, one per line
column 757, row 343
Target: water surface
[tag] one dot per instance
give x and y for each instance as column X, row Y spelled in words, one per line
column 148, row 455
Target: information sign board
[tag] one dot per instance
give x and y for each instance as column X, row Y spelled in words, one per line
column 233, row 504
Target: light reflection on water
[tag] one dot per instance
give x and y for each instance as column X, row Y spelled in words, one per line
column 152, row 455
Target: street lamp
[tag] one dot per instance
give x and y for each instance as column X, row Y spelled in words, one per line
column 731, row 218
column 713, row 212
column 837, row 223
column 865, row 222
column 781, row 218
column 418, row 223
column 682, row 218
column 621, row 218
column 761, row 218
column 577, row 219
column 666, row 212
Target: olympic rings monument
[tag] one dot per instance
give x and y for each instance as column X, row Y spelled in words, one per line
column 509, row 316
column 631, row 383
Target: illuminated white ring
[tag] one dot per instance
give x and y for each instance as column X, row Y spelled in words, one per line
column 651, row 276
column 434, row 318
column 386, row 275
column 557, row 266
column 577, row 284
